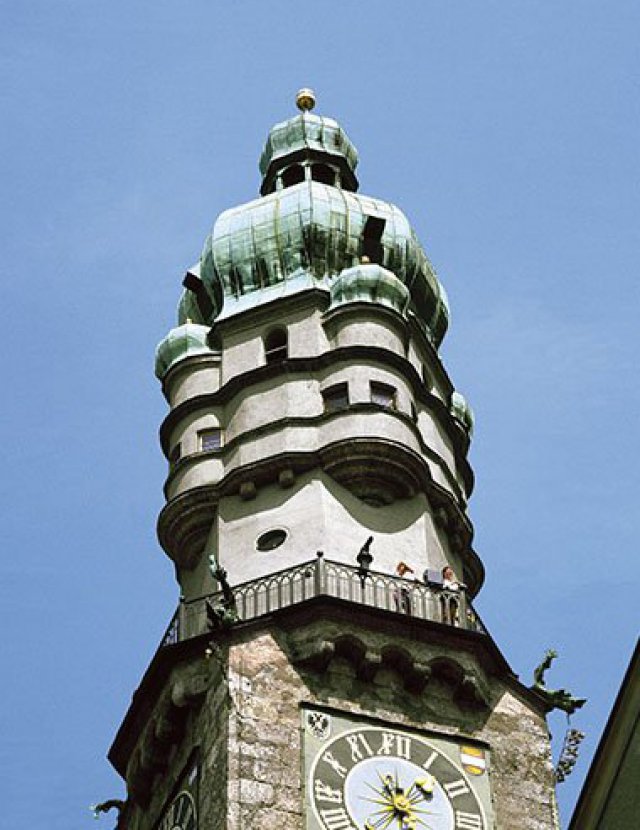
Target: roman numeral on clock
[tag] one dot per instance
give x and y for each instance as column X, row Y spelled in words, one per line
column 336, row 819
column 468, row 821
column 456, row 788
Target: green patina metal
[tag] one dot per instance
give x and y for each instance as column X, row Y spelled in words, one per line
column 315, row 231
column 184, row 341
column 304, row 136
column 369, row 283
column 189, row 310
column 462, row 412
column 556, row 698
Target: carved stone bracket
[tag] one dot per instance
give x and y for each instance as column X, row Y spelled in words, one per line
column 468, row 687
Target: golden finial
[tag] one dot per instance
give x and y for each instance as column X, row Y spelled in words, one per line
column 305, row 99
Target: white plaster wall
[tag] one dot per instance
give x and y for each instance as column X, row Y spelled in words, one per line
column 319, row 514
column 243, row 347
column 191, row 379
column 206, row 470
column 342, row 426
column 357, row 328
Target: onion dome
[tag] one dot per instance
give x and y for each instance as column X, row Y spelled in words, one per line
column 307, row 138
column 184, row 341
column 308, row 234
column 462, row 412
column 369, row 283
column 309, row 230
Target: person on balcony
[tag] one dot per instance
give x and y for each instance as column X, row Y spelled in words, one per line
column 402, row 594
column 450, row 603
column 449, row 579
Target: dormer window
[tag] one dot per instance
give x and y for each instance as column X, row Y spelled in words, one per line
column 276, row 346
column 383, row 395
column 371, row 238
column 336, row 397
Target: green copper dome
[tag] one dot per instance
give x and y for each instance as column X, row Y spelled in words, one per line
column 304, row 236
column 184, row 341
column 369, row 283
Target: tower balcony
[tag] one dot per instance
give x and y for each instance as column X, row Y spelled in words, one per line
column 322, row 577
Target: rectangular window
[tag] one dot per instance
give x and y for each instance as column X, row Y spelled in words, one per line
column 336, row 397
column 210, row 439
column 383, row 395
column 174, row 454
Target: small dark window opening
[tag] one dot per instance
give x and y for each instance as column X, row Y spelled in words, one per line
column 371, row 236
column 271, row 539
column 210, row 439
column 293, row 175
column 275, row 346
column 174, row 455
column 383, row 395
column 425, row 377
column 323, row 173
column 336, row 397
column 414, row 413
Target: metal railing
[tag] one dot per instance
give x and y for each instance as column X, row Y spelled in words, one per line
column 324, row 577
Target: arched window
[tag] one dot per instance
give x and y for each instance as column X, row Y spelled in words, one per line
column 275, row 346
column 323, row 173
column 293, row 175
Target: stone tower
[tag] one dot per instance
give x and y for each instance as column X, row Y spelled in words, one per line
column 324, row 669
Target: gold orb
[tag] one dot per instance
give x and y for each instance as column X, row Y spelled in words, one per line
column 305, row 99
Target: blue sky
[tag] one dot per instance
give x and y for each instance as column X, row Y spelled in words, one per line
column 508, row 134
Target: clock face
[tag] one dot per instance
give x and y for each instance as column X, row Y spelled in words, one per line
column 375, row 778
column 181, row 814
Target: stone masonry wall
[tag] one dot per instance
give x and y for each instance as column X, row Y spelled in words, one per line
column 264, row 784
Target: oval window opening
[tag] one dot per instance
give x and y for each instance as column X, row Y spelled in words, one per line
column 271, row 539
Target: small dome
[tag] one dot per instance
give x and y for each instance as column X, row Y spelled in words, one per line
column 462, row 412
column 370, row 283
column 308, row 135
column 184, row 341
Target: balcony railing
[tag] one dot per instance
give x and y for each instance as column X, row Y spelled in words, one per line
column 324, row 577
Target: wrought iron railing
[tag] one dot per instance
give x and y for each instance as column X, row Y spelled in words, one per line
column 324, row 577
